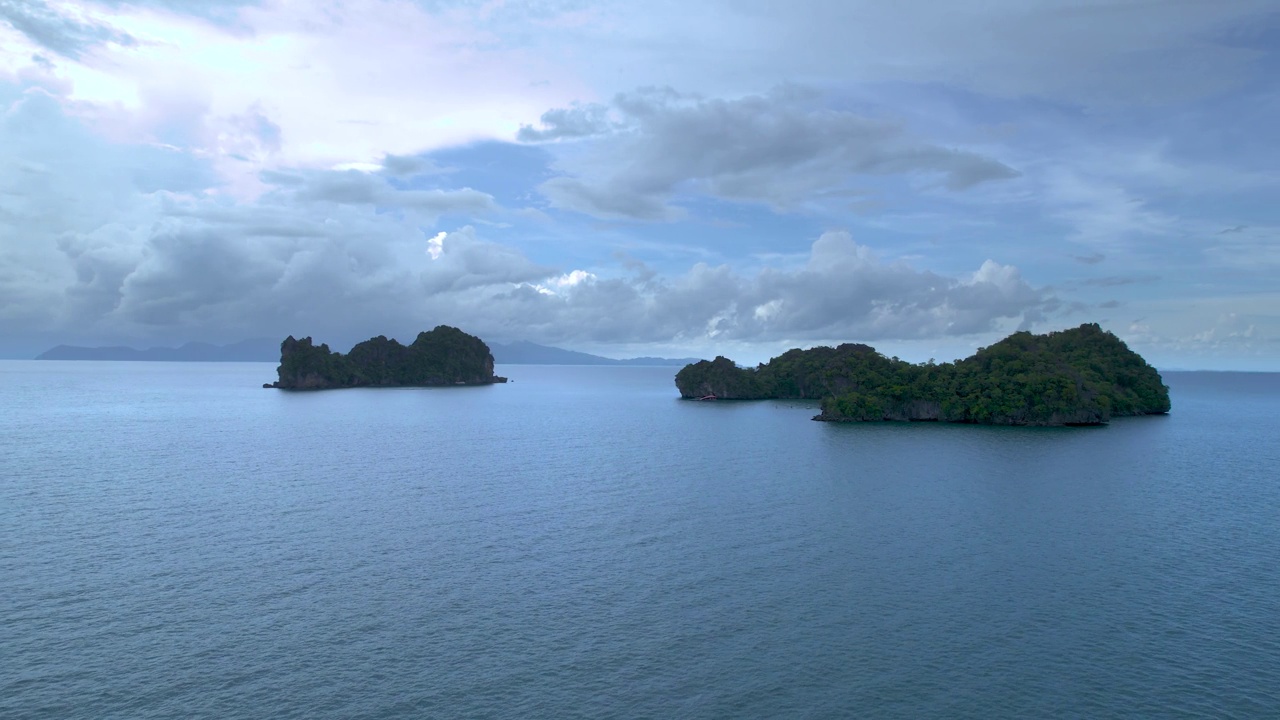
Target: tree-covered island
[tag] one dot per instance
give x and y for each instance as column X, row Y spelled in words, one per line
column 443, row 356
column 1081, row 376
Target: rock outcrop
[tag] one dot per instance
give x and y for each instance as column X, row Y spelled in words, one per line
column 443, row 356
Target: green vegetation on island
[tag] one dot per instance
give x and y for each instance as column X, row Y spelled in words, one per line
column 1081, row 376
column 443, row 356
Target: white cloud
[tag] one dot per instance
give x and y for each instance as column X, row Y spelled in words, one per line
column 350, row 83
column 435, row 245
column 571, row 279
column 557, row 285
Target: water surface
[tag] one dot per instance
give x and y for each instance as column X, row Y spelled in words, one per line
column 176, row 541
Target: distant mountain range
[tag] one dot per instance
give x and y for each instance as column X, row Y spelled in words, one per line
column 257, row 350
column 263, row 350
column 527, row 353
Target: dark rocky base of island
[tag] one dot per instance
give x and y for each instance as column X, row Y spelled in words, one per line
column 1082, row 376
column 442, row 357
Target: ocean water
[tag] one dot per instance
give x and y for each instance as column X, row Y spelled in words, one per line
column 177, row 542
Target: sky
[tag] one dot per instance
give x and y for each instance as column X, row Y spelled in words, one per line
column 732, row 177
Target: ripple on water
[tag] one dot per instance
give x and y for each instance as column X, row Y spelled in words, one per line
column 176, row 542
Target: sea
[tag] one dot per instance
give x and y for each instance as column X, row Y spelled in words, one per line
column 178, row 542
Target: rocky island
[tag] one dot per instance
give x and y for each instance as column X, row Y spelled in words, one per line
column 1081, row 376
column 443, row 356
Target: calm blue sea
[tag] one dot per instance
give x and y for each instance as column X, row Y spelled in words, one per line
column 177, row 542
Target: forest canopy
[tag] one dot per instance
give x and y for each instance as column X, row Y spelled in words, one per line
column 443, row 356
column 1081, row 376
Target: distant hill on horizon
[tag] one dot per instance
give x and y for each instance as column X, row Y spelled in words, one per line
column 266, row 350
column 527, row 353
column 254, row 350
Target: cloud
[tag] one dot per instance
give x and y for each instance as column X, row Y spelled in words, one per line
column 435, row 245
column 406, row 166
column 1102, row 212
column 255, row 132
column 609, row 202
column 62, row 33
column 1126, row 52
column 1118, row 280
column 780, row 148
column 106, row 240
column 353, row 187
column 465, row 261
column 1228, row 331
column 361, row 275
column 579, row 121
column 184, row 276
column 268, row 168
column 165, row 260
column 1251, row 250
column 57, row 179
column 219, row 11
column 359, row 80
column 133, row 241
column 841, row 292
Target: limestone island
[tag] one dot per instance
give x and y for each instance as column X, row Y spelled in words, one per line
column 444, row 356
column 1081, row 376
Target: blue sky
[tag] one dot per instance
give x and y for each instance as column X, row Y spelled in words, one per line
column 727, row 177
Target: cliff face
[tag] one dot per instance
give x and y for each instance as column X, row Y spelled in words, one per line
column 721, row 379
column 1082, row 376
column 443, row 356
column 854, row 407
